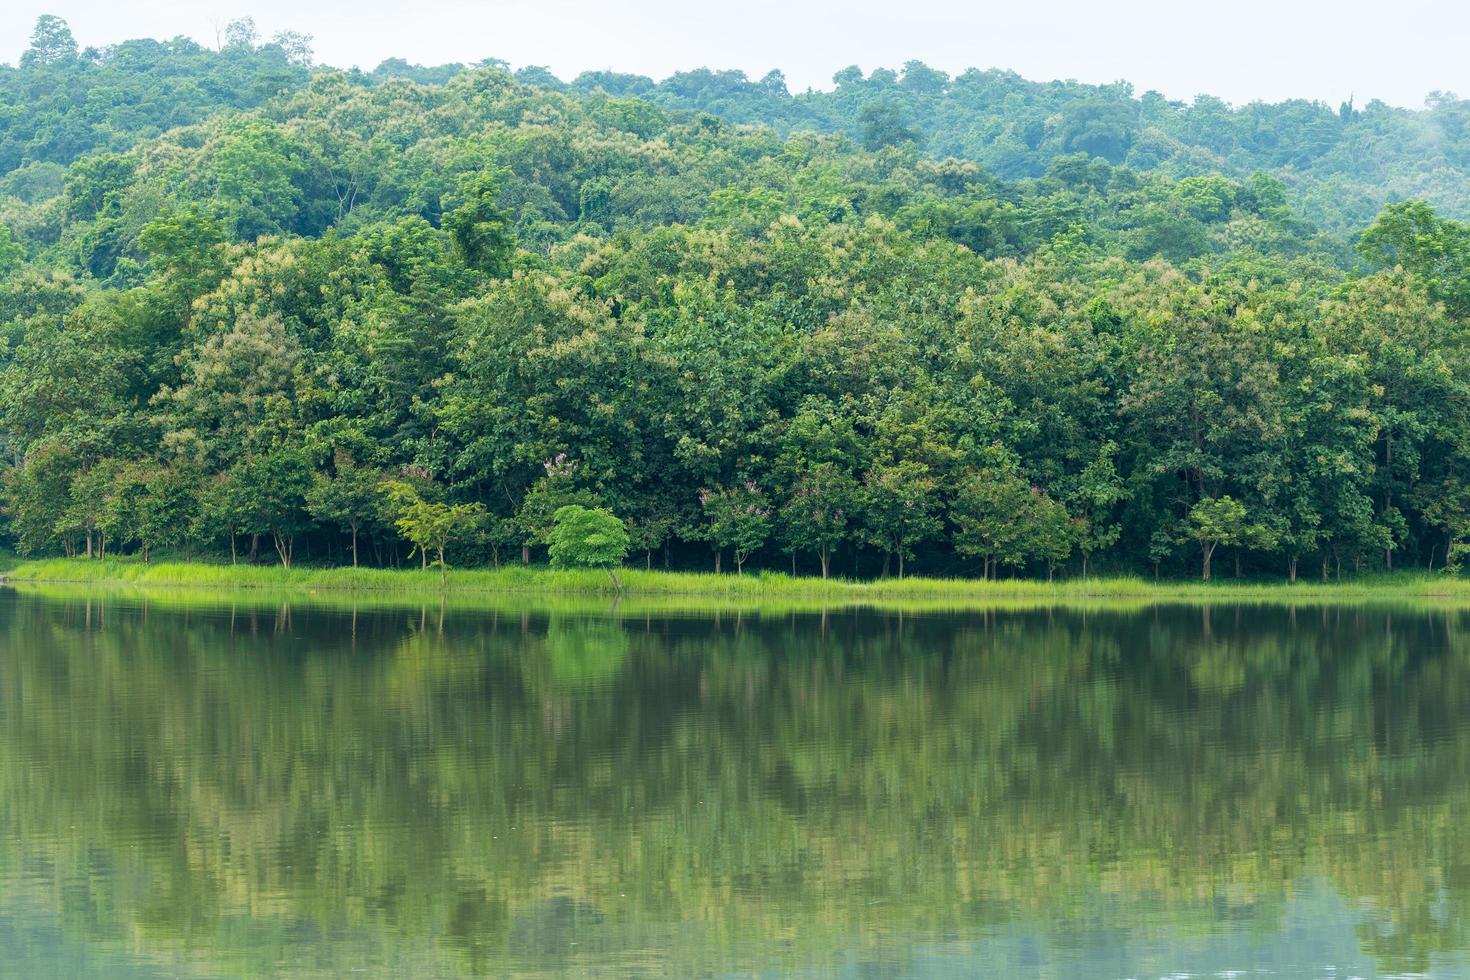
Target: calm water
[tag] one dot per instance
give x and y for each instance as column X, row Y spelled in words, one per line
column 307, row 791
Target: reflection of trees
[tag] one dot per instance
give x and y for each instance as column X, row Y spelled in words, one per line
column 475, row 788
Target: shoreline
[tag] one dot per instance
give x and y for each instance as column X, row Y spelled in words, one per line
column 776, row 590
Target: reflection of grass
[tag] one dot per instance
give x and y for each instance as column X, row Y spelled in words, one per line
column 647, row 591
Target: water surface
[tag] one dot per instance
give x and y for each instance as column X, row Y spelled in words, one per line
column 241, row 789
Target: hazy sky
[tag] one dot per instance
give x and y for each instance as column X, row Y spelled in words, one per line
column 1242, row 50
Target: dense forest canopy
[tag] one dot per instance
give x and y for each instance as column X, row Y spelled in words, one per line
column 951, row 325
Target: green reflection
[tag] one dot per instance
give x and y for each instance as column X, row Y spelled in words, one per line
column 285, row 788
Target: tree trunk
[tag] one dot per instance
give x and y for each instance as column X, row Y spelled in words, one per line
column 886, row 556
column 739, row 564
column 1084, row 566
column 826, row 555
column 232, row 547
column 1387, row 494
column 718, row 555
column 1291, row 570
column 443, row 570
column 423, row 559
column 1209, row 553
column 283, row 548
column 1237, row 563
column 612, row 573
column 900, row 566
column 1326, row 569
column 254, row 547
column 354, row 545
column 525, row 554
column 89, row 545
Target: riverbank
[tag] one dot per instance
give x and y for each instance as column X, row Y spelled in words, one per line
column 765, row 587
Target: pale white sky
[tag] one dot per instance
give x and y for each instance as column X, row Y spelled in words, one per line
column 1241, row 50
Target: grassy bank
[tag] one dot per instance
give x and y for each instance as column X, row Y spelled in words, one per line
column 747, row 590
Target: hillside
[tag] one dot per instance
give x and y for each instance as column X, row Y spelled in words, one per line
column 962, row 324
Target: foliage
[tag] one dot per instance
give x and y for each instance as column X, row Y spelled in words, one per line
column 739, row 518
column 949, row 323
column 588, row 537
column 430, row 525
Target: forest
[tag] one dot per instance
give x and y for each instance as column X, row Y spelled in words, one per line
column 257, row 309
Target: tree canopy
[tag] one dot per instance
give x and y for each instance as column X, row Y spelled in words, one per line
column 917, row 323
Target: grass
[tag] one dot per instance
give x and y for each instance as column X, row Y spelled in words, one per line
column 766, row 590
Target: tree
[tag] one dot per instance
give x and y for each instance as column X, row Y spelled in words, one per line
column 899, row 503
column 739, row 518
column 38, row 495
column 268, row 492
column 186, row 250
column 817, row 459
column 882, row 124
column 51, row 42
column 989, row 511
column 479, row 228
column 163, row 509
column 1409, row 234
column 653, row 525
column 239, row 391
column 817, row 512
column 1050, row 533
column 90, row 511
column 430, row 525
column 1096, row 493
column 222, row 510
column 588, row 537
column 241, row 33
column 556, row 489
column 349, row 497
column 1221, row 520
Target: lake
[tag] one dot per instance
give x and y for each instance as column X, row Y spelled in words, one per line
column 205, row 787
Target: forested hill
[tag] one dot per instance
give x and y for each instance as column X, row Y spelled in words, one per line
column 1341, row 164
column 961, row 323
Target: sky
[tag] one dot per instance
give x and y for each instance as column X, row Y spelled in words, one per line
column 1241, row 51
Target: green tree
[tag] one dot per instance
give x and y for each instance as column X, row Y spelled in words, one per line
column 588, row 537
column 51, row 43
column 739, row 518
column 1221, row 520
column 349, row 497
column 1093, row 498
column 164, row 509
column 430, row 525
column 268, row 490
column 899, row 503
column 882, row 124
column 818, row 510
column 556, row 489
column 990, row 509
column 1411, row 235
column 479, row 228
